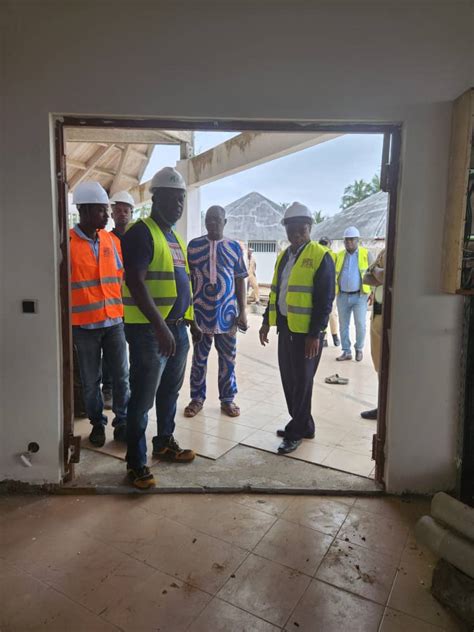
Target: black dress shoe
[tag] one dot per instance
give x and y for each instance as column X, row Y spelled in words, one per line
column 281, row 433
column 97, row 435
column 336, row 341
column 287, row 446
column 370, row 414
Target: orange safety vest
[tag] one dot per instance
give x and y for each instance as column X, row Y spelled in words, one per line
column 95, row 284
column 118, row 244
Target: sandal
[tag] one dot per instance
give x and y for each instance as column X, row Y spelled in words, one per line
column 335, row 379
column 230, row 409
column 193, row 408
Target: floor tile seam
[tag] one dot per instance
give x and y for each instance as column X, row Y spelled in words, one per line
column 251, row 613
column 413, row 616
column 328, row 535
column 63, row 594
column 281, row 565
column 385, row 610
column 284, row 627
column 249, row 553
column 382, row 517
column 324, row 556
column 354, row 594
column 256, row 508
column 215, row 537
column 390, row 558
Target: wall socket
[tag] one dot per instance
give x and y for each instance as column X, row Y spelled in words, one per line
column 29, row 306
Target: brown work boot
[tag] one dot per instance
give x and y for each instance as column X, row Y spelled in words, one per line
column 171, row 451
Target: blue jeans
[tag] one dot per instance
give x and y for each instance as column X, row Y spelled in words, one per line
column 154, row 378
column 348, row 304
column 90, row 343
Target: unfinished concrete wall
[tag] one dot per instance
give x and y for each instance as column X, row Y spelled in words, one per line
column 372, row 61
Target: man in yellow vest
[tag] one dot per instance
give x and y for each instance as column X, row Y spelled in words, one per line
column 300, row 302
column 158, row 307
column 375, row 277
column 352, row 292
column 333, row 326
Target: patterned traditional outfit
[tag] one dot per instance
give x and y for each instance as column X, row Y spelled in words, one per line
column 214, row 266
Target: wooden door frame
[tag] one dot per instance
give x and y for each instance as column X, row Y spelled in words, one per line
column 389, row 173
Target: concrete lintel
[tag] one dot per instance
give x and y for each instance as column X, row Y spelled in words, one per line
column 121, row 135
column 245, row 151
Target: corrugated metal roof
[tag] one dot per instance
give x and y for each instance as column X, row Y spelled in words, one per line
column 369, row 216
column 254, row 217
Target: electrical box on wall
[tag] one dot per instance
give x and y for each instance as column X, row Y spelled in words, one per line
column 458, row 245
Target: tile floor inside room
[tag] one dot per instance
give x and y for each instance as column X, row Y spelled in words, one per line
column 215, row 563
column 343, row 440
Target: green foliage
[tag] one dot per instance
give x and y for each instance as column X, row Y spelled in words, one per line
column 359, row 190
column 318, row 217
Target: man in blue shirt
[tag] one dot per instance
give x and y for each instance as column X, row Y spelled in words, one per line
column 217, row 272
column 352, row 293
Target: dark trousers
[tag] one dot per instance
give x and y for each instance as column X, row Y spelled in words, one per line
column 297, row 376
column 107, row 385
column 154, row 380
column 90, row 345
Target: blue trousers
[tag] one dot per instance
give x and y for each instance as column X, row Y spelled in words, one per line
column 226, row 346
column 154, row 379
column 90, row 344
column 348, row 304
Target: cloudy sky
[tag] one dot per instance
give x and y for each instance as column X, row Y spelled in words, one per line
column 316, row 176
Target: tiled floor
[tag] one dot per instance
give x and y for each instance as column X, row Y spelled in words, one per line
column 215, row 563
column 343, row 440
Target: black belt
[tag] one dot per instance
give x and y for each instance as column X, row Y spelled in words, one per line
column 177, row 321
column 356, row 292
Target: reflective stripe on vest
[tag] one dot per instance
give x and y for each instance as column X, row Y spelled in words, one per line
column 299, row 298
column 95, row 283
column 363, row 260
column 159, row 278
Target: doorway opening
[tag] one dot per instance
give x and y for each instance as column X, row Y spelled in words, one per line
column 117, row 153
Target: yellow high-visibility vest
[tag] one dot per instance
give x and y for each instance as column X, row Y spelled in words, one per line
column 299, row 298
column 159, row 279
column 363, row 259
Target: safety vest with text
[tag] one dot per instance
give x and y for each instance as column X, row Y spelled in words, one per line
column 95, row 283
column 363, row 265
column 299, row 298
column 160, row 279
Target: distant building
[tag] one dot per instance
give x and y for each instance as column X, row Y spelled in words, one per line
column 256, row 221
column 369, row 216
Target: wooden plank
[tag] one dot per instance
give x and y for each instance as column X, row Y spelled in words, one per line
column 118, row 135
column 115, row 184
column 90, row 164
column 458, row 174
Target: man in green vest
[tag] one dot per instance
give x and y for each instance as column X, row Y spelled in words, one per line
column 352, row 292
column 300, row 302
column 158, row 307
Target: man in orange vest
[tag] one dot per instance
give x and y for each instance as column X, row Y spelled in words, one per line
column 97, row 309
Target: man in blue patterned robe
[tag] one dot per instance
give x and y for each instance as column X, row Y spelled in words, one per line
column 218, row 275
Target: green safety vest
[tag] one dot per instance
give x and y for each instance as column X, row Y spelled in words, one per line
column 159, row 278
column 363, row 265
column 299, row 298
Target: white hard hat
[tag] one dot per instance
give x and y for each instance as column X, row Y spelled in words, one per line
column 297, row 210
column 351, row 232
column 89, row 192
column 169, row 178
column 122, row 196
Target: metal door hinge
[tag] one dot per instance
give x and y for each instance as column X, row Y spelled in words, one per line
column 74, row 450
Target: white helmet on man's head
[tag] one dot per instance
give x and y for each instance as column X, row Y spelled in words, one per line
column 351, row 232
column 89, row 192
column 122, row 196
column 297, row 211
column 167, row 178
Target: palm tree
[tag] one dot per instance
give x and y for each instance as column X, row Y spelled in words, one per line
column 318, row 217
column 359, row 190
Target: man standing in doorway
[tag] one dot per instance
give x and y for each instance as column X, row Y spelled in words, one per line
column 252, row 270
column 352, row 293
column 218, row 274
column 325, row 242
column 122, row 210
column 97, row 310
column 158, row 307
column 301, row 298
column 375, row 276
